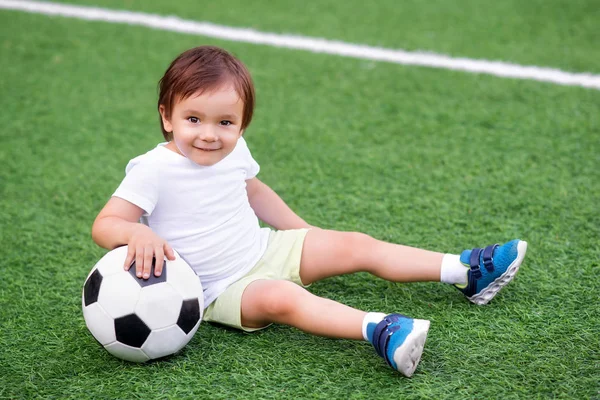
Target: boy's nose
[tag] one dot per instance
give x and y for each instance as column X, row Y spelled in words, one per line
column 208, row 134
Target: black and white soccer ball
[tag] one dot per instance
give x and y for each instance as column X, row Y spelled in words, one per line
column 142, row 319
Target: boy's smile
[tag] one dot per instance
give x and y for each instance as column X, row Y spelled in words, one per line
column 205, row 127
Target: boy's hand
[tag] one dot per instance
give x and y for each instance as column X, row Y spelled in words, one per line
column 144, row 245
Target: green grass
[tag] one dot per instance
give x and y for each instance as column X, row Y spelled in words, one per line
column 429, row 158
column 556, row 33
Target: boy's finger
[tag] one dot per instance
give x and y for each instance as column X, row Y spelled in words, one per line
column 129, row 258
column 139, row 261
column 160, row 258
column 169, row 252
column 148, row 253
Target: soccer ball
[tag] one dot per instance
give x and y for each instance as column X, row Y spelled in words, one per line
column 141, row 319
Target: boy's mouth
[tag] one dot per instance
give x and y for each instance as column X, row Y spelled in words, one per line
column 205, row 149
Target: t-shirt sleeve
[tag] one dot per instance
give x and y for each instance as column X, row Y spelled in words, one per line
column 252, row 167
column 140, row 186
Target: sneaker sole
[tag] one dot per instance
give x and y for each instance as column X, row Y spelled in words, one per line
column 493, row 288
column 408, row 355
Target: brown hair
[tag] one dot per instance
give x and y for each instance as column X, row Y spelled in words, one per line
column 202, row 69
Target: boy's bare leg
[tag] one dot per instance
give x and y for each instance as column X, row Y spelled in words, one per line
column 396, row 338
column 284, row 302
column 329, row 253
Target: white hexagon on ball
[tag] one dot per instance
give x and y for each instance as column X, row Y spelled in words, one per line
column 185, row 281
column 159, row 305
column 119, row 294
column 125, row 352
column 99, row 323
column 112, row 262
column 166, row 341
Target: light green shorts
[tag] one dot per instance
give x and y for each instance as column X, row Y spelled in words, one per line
column 280, row 261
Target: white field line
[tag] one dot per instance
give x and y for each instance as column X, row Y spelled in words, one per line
column 316, row 45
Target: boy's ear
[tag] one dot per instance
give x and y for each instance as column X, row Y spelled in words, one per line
column 166, row 122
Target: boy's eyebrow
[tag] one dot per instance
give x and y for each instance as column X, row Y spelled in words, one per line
column 190, row 111
column 224, row 116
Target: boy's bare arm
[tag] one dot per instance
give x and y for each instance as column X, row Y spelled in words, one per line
column 117, row 225
column 270, row 208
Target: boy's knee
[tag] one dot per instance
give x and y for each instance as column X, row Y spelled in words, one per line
column 355, row 244
column 358, row 239
column 280, row 299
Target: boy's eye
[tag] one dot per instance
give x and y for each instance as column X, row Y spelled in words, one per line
column 193, row 120
column 226, row 123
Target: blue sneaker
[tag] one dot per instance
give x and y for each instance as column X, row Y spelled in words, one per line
column 491, row 269
column 399, row 340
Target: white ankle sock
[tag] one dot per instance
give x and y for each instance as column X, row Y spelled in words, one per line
column 453, row 271
column 374, row 317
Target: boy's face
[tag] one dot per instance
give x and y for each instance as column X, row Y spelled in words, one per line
column 205, row 127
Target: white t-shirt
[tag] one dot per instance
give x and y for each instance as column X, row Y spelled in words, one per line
column 202, row 212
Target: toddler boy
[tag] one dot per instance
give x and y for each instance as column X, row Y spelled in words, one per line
column 198, row 193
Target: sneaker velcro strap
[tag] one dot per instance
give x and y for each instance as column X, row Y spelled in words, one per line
column 382, row 334
column 384, row 339
column 474, row 263
column 381, row 326
column 488, row 261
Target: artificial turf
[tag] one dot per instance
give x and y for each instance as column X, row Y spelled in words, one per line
column 554, row 33
column 435, row 159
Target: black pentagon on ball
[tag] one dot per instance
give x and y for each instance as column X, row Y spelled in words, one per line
column 131, row 330
column 92, row 288
column 189, row 315
column 152, row 280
